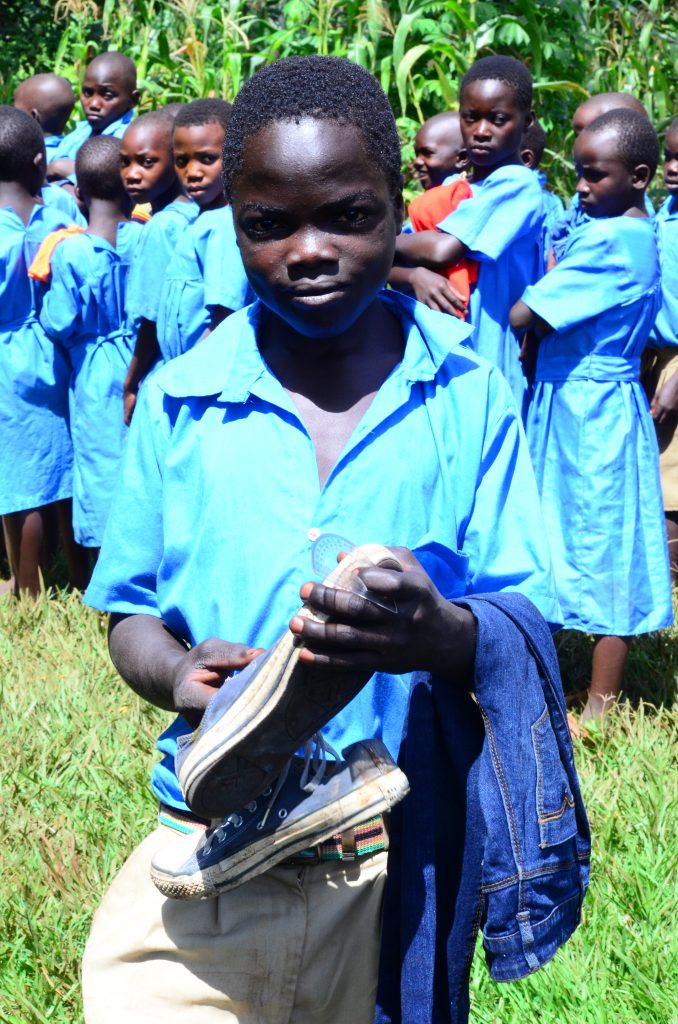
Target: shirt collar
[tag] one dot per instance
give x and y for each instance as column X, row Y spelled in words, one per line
column 228, row 364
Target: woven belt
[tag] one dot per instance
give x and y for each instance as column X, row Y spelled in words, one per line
column 369, row 837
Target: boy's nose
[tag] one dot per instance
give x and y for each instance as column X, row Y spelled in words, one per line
column 582, row 186
column 311, row 246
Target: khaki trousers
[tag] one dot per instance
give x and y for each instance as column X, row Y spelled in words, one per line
column 293, row 946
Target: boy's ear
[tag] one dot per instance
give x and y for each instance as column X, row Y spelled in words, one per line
column 641, row 176
column 530, row 119
column 78, row 194
column 399, row 205
column 527, row 156
column 134, row 96
column 39, row 163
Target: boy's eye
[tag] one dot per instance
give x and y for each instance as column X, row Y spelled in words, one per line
column 208, row 158
column 149, row 161
column 353, row 216
column 260, row 225
column 180, row 161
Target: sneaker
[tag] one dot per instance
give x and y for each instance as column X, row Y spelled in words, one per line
column 281, row 823
column 261, row 716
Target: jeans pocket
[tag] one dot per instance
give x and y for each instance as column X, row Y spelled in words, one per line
column 555, row 804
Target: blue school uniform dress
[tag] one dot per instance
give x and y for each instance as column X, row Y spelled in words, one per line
column 53, row 195
column 502, row 227
column 71, row 143
column 206, row 270
column 554, row 208
column 665, row 330
column 591, row 435
column 218, row 500
column 156, row 247
column 36, row 456
column 83, row 311
column 52, row 143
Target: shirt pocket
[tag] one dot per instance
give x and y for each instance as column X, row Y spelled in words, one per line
column 556, row 817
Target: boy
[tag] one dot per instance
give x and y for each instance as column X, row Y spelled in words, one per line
column 502, row 225
column 84, row 313
column 439, row 150
column 589, row 429
column 50, row 100
column 326, row 406
column 149, row 176
column 664, row 338
column 205, row 279
column 108, row 96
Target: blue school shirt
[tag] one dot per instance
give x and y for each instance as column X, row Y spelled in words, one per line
column 591, row 436
column 36, row 456
column 554, row 208
column 502, row 227
column 206, row 270
column 54, row 195
column 218, row 501
column 52, row 143
column 153, row 254
column 71, row 143
column 665, row 330
column 83, row 312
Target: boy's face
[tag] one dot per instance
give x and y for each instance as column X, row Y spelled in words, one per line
column 492, row 123
column 439, row 152
column 671, row 161
column 146, row 162
column 105, row 96
column 197, row 159
column 316, row 224
column 605, row 185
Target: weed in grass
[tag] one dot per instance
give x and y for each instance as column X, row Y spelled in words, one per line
column 77, row 746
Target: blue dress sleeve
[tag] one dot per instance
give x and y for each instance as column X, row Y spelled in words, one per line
column 219, row 257
column 594, row 275
column 147, row 274
column 61, row 312
column 505, row 207
column 125, row 576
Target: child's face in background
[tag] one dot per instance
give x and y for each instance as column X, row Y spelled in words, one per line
column 605, row 185
column 492, row 123
column 439, row 152
column 146, row 162
column 316, row 224
column 197, row 159
column 671, row 161
column 105, row 96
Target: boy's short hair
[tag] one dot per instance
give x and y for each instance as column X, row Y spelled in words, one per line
column 97, row 168
column 21, row 139
column 51, row 95
column 534, row 139
column 162, row 119
column 638, row 142
column 325, row 88
column 502, row 69
column 124, row 67
column 206, row 111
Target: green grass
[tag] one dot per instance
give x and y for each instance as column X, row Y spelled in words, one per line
column 76, row 748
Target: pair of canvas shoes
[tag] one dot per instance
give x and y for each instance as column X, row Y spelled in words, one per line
column 239, row 765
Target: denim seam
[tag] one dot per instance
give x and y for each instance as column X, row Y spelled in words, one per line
column 474, row 932
column 496, row 939
column 548, row 869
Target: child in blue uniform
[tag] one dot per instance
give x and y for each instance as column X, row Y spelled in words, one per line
column 502, row 225
column 531, row 152
column 84, row 312
column 108, row 96
column 35, row 447
column 205, row 280
column 50, row 100
column 149, row 176
column 590, row 431
column 664, row 339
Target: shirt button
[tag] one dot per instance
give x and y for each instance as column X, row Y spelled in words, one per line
column 313, row 533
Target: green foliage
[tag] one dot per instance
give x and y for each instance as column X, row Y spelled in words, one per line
column 77, row 748
column 417, row 48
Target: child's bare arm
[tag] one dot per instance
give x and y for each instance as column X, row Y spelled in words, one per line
column 146, row 352
column 161, row 669
column 433, row 249
column 665, row 402
column 522, row 318
column 430, row 288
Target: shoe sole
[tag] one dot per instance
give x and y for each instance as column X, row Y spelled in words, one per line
column 240, row 755
column 370, row 799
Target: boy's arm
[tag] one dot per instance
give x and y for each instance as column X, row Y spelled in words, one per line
column 665, row 402
column 433, row 249
column 146, row 353
column 60, row 169
column 160, row 669
column 430, row 288
column 218, row 315
column 522, row 318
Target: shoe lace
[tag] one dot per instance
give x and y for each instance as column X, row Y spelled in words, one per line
column 315, row 759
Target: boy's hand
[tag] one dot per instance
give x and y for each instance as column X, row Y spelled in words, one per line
column 436, row 292
column 426, row 632
column 129, row 400
column 58, row 170
column 665, row 402
column 202, row 670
